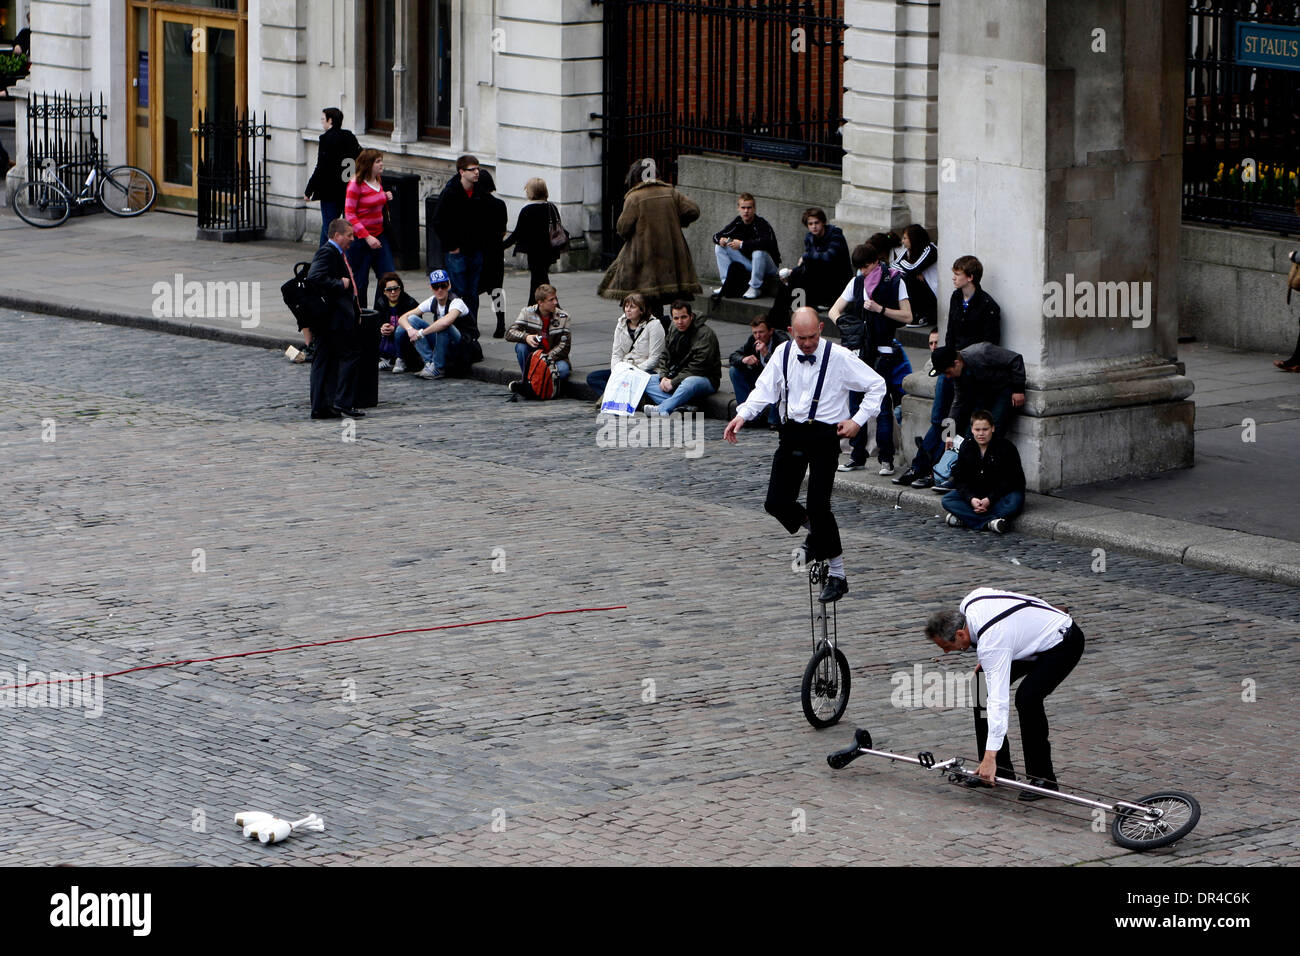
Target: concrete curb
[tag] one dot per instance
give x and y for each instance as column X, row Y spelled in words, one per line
column 1056, row 519
column 1147, row 536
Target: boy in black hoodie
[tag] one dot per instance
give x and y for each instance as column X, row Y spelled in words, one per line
column 988, row 481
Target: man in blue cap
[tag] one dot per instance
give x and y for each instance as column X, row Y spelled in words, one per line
column 444, row 307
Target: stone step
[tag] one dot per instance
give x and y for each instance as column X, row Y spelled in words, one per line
column 742, row 312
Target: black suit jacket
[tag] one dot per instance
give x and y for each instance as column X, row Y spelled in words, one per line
column 327, row 182
column 326, row 275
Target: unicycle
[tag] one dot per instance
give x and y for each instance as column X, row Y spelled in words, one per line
column 826, row 680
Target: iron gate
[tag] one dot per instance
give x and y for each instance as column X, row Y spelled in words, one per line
column 65, row 136
column 232, row 177
column 760, row 79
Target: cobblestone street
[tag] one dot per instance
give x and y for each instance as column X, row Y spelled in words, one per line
column 187, row 508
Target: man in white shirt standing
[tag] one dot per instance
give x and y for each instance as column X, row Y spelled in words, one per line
column 1016, row 636
column 809, row 379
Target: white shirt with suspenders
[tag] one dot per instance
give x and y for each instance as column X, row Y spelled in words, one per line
column 1004, row 627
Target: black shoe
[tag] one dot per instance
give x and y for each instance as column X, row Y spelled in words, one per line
column 500, row 332
column 835, row 589
column 514, row 389
column 906, row 478
column 309, row 352
column 350, row 412
column 943, row 487
column 1028, row 795
column 925, row 481
column 973, row 783
column 326, row 415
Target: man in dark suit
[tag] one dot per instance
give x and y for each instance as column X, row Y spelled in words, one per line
column 337, row 329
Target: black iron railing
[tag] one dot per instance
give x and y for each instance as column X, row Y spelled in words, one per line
column 758, row 79
column 232, row 179
column 65, row 136
column 1241, row 146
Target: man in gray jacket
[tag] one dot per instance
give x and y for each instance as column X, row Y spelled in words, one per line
column 985, row 376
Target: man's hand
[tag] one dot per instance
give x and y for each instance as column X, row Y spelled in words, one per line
column 386, row 328
column 848, row 428
column 389, row 195
column 666, row 384
column 733, row 426
column 534, row 340
column 761, row 348
column 372, row 242
column 988, row 767
column 454, row 252
column 750, row 359
column 1018, row 400
column 347, row 283
column 980, row 505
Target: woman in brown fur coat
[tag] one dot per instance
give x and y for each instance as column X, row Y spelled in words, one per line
column 654, row 260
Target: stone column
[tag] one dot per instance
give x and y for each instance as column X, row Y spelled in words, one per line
column 1063, row 121
column 891, row 106
column 549, row 82
column 406, row 119
column 277, row 56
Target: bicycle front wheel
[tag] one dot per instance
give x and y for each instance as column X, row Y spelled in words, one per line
column 42, row 203
column 825, row 690
column 127, row 191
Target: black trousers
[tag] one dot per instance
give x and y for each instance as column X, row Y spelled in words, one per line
column 324, row 370
column 539, row 273
column 812, row 448
column 1041, row 677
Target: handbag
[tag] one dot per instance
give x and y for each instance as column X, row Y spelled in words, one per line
column 557, row 234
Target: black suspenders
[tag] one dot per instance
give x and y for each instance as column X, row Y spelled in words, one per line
column 817, row 392
column 1008, row 612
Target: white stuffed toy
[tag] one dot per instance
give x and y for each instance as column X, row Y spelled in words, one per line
column 271, row 829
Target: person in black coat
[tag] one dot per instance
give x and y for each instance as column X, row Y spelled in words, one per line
column 748, row 361
column 821, row 271
column 329, row 180
column 458, row 221
column 532, row 236
column 495, row 224
column 337, row 328
column 392, row 301
column 988, row 481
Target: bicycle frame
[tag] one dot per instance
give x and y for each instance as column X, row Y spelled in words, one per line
column 818, row 571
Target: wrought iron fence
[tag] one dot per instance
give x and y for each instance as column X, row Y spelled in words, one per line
column 65, row 136
column 1241, row 161
column 759, row 79
column 232, row 179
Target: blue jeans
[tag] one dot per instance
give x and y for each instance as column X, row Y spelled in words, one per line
column 884, row 431
column 599, row 379
column 362, row 259
column 435, row 354
column 523, row 351
column 741, row 386
column 691, row 388
column 931, row 448
column 760, row 265
column 465, row 269
column 1008, row 506
column 329, row 211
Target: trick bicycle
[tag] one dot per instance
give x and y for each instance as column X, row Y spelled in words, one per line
column 46, row 202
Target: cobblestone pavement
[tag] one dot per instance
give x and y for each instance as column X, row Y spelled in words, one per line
column 541, row 741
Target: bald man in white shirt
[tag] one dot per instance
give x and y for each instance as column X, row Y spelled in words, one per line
column 809, row 380
column 1016, row 636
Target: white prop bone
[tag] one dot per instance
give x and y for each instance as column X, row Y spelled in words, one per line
column 271, row 829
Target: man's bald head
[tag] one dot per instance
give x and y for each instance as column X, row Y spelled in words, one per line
column 806, row 329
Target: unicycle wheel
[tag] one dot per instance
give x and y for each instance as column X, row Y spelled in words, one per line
column 825, row 690
column 1179, row 813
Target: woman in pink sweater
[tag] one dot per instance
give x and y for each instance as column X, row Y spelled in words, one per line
column 363, row 207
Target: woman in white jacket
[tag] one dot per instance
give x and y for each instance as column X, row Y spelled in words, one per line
column 638, row 340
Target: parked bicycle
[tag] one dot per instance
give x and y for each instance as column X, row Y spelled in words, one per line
column 46, row 202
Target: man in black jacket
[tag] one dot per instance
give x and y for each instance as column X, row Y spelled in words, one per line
column 336, row 329
column 820, row 272
column 988, row 482
column 749, row 240
column 748, row 362
column 329, row 180
column 691, row 365
column 985, row 376
column 458, row 220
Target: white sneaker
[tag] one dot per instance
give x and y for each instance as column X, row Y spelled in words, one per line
column 385, row 365
column 886, row 468
column 399, row 367
column 783, row 274
column 717, row 291
column 428, row 373
column 750, row 293
column 953, row 520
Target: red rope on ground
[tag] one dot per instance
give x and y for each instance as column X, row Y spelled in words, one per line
column 337, row 640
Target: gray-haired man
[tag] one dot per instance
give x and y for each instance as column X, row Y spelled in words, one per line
column 1015, row 636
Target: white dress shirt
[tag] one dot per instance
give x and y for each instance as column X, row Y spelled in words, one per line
column 845, row 373
column 1017, row 637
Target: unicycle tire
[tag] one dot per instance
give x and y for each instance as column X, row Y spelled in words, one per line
column 1181, row 814
column 825, row 690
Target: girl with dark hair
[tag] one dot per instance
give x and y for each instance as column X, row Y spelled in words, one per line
column 919, row 265
column 363, row 207
column 337, row 151
column 494, row 224
column 392, row 301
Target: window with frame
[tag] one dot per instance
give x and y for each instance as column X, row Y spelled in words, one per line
column 431, row 72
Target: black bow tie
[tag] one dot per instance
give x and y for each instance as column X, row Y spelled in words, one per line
column 806, row 358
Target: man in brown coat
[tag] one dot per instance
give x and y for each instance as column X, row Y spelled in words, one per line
column 654, row 260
